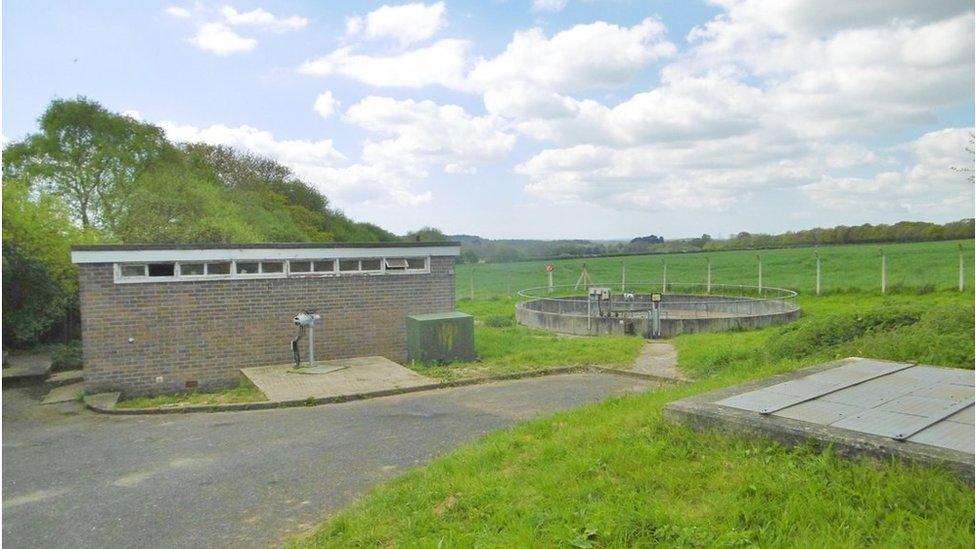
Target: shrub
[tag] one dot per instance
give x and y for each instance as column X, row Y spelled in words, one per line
column 815, row 336
column 67, row 357
column 499, row 321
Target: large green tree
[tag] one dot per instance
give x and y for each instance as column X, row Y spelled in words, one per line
column 88, row 156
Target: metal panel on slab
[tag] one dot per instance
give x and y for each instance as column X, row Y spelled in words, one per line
column 954, row 376
column 756, row 400
column 880, row 422
column 819, row 412
column 966, row 416
column 877, row 391
column 945, row 391
column 918, row 406
column 948, row 434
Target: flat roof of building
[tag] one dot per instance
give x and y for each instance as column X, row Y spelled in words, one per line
column 112, row 253
column 876, row 407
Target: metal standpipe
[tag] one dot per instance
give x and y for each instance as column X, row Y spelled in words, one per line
column 306, row 320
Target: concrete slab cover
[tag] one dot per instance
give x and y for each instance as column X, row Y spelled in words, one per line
column 359, row 375
column 27, row 365
column 859, row 405
column 64, row 393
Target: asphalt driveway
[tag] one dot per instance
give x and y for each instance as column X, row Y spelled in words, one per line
column 77, row 479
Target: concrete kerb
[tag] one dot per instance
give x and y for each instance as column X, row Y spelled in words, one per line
column 701, row 413
column 95, row 403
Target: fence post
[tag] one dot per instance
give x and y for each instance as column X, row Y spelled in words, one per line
column 817, row 255
column 884, row 271
column 471, row 279
column 623, row 277
column 962, row 276
column 664, row 279
column 759, row 259
column 708, row 278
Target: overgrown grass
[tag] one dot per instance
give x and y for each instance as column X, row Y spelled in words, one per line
column 504, row 347
column 618, row 474
column 245, row 391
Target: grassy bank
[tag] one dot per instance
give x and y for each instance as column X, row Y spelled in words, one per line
column 618, row 474
column 245, row 391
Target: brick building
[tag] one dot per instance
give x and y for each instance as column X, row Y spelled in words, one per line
column 159, row 319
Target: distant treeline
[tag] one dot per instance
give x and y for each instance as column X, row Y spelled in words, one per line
column 477, row 249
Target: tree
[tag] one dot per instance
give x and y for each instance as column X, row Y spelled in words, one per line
column 426, row 234
column 175, row 205
column 88, row 156
column 39, row 281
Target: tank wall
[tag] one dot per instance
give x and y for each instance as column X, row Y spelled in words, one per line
column 569, row 315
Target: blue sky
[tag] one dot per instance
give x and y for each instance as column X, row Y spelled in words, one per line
column 593, row 119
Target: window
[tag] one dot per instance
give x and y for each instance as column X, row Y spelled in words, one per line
column 162, row 269
column 131, row 271
column 307, row 266
column 192, row 269
column 324, row 266
column 417, row 263
column 221, row 268
column 248, row 267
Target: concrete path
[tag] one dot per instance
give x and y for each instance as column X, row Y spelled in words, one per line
column 359, row 375
column 659, row 359
column 237, row 479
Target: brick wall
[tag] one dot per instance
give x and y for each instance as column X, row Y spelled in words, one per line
column 205, row 331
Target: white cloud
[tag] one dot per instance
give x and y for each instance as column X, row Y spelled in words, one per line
column 354, row 25
column 584, row 56
column 262, row 19
column 425, row 134
column 788, row 97
column 929, row 186
column 178, row 12
column 442, row 63
column 133, row 114
column 292, row 152
column 406, row 23
column 325, row 104
column 548, row 5
column 222, row 40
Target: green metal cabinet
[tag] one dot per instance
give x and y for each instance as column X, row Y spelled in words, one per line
column 440, row 337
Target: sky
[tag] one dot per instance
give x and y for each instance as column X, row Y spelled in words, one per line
column 542, row 118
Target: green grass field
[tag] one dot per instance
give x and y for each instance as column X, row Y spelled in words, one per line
column 617, row 474
column 924, row 265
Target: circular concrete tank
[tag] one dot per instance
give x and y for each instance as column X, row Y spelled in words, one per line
column 683, row 308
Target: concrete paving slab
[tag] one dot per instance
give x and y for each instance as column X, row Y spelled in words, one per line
column 64, row 393
column 358, row 375
column 26, row 366
column 67, row 376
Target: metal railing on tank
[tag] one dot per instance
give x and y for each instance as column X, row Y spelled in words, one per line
column 676, row 301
